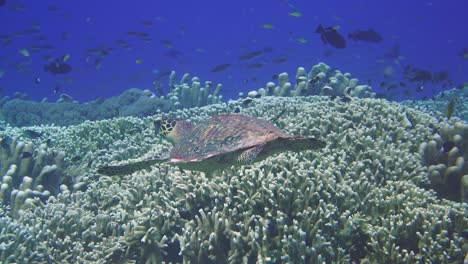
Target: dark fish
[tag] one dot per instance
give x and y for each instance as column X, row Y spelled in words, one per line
column 167, row 43
column 254, row 66
column 250, row 55
column 369, row 35
column 27, row 155
column 31, row 133
column 450, row 109
column 221, row 67
column 37, row 80
column 330, row 36
column 237, row 110
column 417, row 74
column 58, row 67
column 440, row 76
column 247, row 101
column 275, row 77
column 392, row 87
column 402, row 84
column 75, row 159
column 267, row 49
column 163, row 75
column 2, row 2
column 147, row 23
column 280, row 59
column 447, row 146
column 464, row 53
column 56, row 89
column 345, row 99
column 173, row 53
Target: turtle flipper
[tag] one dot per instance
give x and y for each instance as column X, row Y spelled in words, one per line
column 129, row 168
column 249, row 155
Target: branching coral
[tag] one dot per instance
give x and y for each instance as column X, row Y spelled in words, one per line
column 321, row 80
column 365, row 197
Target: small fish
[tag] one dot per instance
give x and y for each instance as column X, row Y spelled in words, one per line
column 139, row 61
column 236, row 110
column 369, row 35
column 221, row 67
column 275, row 77
column 31, row 133
column 247, row 101
column 279, row 59
column 295, row 14
column 27, row 155
column 450, row 109
column 302, row 40
column 37, row 80
column 65, row 57
column 250, row 55
column 56, row 89
column 392, row 87
column 254, row 66
column 24, row 52
column 75, row 159
column 268, row 26
column 448, row 146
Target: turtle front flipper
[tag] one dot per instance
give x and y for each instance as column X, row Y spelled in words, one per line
column 129, row 168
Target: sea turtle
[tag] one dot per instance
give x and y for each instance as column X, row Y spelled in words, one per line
column 218, row 143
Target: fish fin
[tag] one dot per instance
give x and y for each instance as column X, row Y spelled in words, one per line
column 319, row 29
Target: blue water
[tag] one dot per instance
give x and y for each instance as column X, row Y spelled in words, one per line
column 196, row 36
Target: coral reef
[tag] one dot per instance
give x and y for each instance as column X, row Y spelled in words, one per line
column 190, row 93
column 446, row 156
column 439, row 103
column 321, row 80
column 366, row 197
column 132, row 102
column 28, row 172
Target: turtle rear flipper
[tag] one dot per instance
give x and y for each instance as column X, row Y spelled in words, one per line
column 129, row 168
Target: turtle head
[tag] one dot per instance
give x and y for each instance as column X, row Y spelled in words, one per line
column 164, row 126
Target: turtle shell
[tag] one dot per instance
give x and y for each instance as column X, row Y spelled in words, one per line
column 221, row 135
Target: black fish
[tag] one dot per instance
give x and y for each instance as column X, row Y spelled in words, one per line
column 447, row 146
column 31, row 133
column 254, row 66
column 27, row 155
column 417, row 74
column 330, row 36
column 2, row 2
column 250, row 55
column 221, row 67
column 369, row 35
column 247, row 101
column 440, row 76
column 58, row 67
column 279, row 59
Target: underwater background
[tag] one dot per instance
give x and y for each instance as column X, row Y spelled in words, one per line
column 382, row 83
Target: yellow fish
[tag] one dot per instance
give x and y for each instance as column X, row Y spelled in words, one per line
column 268, row 26
column 295, row 14
column 24, row 52
column 66, row 57
column 302, row 40
column 450, row 109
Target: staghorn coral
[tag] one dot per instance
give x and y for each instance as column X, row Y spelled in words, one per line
column 28, row 172
column 319, row 81
column 365, row 197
